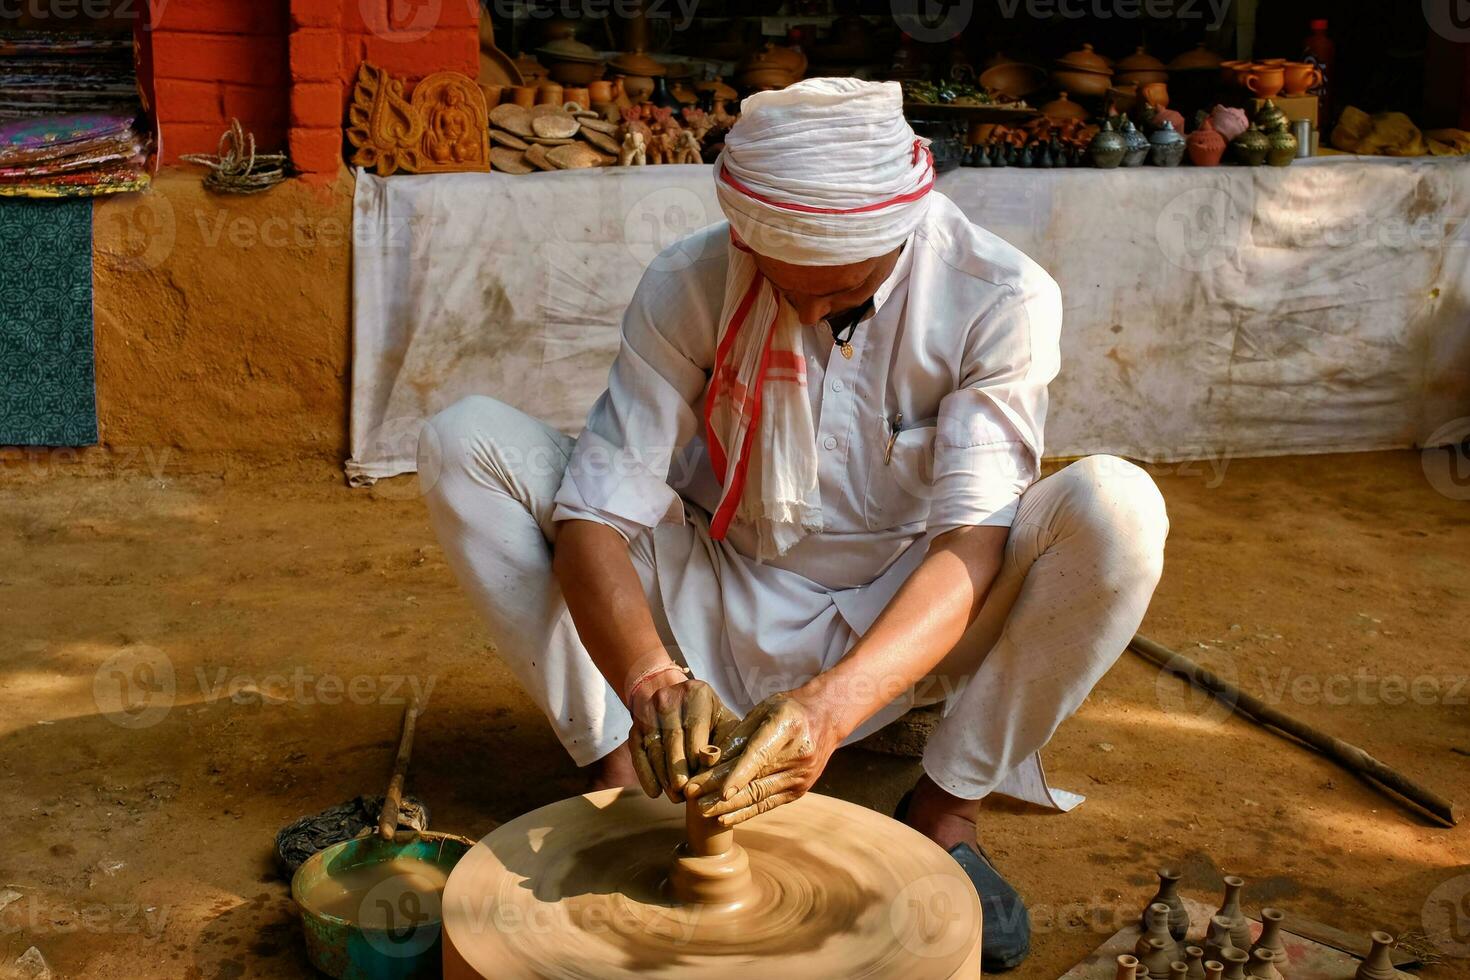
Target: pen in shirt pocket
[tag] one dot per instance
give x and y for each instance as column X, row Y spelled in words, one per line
column 896, row 426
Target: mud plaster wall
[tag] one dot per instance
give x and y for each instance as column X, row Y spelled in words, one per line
column 223, row 323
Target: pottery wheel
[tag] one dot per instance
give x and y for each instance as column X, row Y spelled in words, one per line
column 606, row 886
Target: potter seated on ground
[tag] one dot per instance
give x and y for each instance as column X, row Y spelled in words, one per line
column 809, row 499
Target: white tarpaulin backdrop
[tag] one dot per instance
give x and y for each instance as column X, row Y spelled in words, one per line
column 1209, row 313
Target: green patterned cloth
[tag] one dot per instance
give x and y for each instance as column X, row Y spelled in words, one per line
column 48, row 394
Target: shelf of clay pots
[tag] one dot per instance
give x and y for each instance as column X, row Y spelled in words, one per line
column 969, row 113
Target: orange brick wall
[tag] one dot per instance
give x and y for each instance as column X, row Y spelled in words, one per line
column 286, row 68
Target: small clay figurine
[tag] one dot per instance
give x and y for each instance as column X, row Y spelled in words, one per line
column 688, row 151
column 1127, row 967
column 1378, row 965
column 634, row 152
column 1270, row 938
column 1240, row 930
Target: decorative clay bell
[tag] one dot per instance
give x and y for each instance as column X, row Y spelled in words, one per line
column 1107, row 148
column 1268, row 117
column 1250, row 148
column 1168, row 895
column 1282, row 145
column 1378, row 965
column 1270, row 937
column 1205, row 145
column 1166, row 147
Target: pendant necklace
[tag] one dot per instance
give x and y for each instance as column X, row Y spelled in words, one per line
column 843, row 335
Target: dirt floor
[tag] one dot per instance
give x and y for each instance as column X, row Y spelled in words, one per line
column 197, row 654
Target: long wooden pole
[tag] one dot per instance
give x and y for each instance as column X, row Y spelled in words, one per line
column 1344, row 753
column 388, row 816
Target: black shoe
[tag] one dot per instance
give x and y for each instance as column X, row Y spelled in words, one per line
column 1005, row 939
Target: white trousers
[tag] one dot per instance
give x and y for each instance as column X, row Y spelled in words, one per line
column 1081, row 563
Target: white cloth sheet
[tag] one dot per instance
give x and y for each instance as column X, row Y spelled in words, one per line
column 1230, row 312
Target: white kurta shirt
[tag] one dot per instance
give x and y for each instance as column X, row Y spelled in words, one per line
column 935, row 422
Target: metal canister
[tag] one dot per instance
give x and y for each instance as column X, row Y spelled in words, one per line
column 1302, row 130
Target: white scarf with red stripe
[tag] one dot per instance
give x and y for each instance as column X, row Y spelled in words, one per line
column 824, row 172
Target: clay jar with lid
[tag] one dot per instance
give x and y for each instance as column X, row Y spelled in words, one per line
column 1205, row 146
column 1141, row 68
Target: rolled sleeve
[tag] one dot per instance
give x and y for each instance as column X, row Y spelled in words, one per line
column 988, row 445
column 981, row 465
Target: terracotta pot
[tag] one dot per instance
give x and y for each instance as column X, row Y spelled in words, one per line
column 1085, row 59
column 637, row 87
column 524, row 95
column 1196, row 59
column 1155, row 94
column 581, row 96
column 1301, row 77
column 765, row 78
column 600, row 91
column 1231, row 71
column 492, row 94
column 1265, row 81
column 1143, row 77
column 1088, row 83
column 1063, row 108
column 1013, row 79
column 549, row 93
column 575, row 72
column 1205, row 146
column 1139, row 60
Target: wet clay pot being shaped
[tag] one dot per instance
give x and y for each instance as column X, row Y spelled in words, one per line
column 1235, row 962
column 1282, row 147
column 1166, row 149
column 1168, row 896
column 1127, row 967
column 1229, row 121
column 1217, row 938
column 1250, row 149
column 1263, row 965
column 1240, row 929
column 1155, row 926
column 1378, row 965
column 1270, row 938
column 1194, row 959
column 1137, row 145
column 1205, row 146
column 1107, row 148
column 1158, row 959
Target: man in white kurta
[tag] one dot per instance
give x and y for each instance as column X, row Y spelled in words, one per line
column 772, row 537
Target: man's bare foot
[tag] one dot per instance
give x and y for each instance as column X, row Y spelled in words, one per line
column 614, row 770
column 945, row 819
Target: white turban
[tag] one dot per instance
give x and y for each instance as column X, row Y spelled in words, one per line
column 824, row 172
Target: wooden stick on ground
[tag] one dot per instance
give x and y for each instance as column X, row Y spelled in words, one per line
column 1344, row 753
column 388, row 817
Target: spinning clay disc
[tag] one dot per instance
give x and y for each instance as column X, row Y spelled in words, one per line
column 589, row 888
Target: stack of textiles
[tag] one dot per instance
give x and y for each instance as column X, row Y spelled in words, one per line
column 68, row 110
column 79, row 155
column 48, row 73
